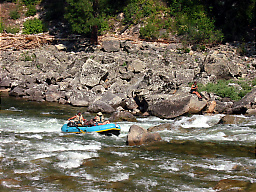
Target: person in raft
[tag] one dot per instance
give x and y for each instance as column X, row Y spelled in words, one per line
column 193, row 90
column 99, row 119
column 78, row 119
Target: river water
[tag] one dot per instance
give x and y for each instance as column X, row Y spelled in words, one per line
column 193, row 156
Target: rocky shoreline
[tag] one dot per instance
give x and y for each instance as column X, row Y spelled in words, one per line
column 140, row 78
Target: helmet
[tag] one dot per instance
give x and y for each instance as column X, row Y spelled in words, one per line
column 99, row 114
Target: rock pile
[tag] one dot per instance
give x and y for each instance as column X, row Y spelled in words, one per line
column 142, row 77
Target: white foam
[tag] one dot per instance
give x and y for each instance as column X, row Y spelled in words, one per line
column 70, row 160
column 198, row 121
column 119, row 177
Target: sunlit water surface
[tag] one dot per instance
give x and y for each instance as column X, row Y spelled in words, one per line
column 193, row 156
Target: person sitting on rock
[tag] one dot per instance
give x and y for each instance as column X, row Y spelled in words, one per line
column 99, row 119
column 78, row 119
column 193, row 90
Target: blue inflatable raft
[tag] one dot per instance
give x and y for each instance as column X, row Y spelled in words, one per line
column 108, row 129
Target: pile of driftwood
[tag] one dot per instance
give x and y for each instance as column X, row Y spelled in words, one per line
column 21, row 41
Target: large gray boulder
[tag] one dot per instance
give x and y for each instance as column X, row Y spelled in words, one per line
column 100, row 106
column 92, row 73
column 168, row 106
column 247, row 102
column 52, row 94
column 122, row 116
column 111, row 45
column 80, row 98
column 138, row 136
column 112, row 99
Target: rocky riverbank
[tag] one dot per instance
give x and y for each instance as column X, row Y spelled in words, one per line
column 138, row 77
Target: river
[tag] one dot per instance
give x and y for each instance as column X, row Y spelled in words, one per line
column 193, row 156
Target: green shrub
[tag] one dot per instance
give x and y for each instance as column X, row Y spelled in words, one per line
column 196, row 27
column 222, row 88
column 31, row 10
column 14, row 14
column 12, row 29
column 30, row 2
column 33, row 26
column 149, row 31
column 1, row 26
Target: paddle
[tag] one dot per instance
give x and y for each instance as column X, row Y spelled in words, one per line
column 80, row 129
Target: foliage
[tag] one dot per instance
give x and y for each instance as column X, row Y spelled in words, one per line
column 1, row 26
column 193, row 23
column 31, row 10
column 30, row 2
column 235, row 18
column 14, row 14
column 224, row 89
column 82, row 17
column 12, row 29
column 33, row 26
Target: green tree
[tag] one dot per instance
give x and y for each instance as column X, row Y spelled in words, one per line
column 86, row 17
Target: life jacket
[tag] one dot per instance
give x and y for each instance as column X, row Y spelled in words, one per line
column 99, row 119
column 79, row 119
column 193, row 88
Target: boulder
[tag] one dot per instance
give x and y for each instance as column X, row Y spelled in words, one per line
column 131, row 104
column 80, row 98
column 196, row 106
column 165, row 126
column 211, row 107
column 36, row 94
column 5, row 82
column 130, row 47
column 100, row 106
column 251, row 112
column 241, row 106
column 92, row 73
column 231, row 119
column 223, row 107
column 122, row 116
column 111, row 45
column 232, row 185
column 52, row 94
column 138, row 136
column 17, row 92
column 112, row 99
column 168, row 106
column 136, row 66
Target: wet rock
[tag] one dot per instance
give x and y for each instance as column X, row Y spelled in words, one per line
column 138, row 136
column 17, row 92
column 223, row 107
column 231, row 119
column 251, row 112
column 226, row 185
column 122, row 116
column 165, row 126
column 166, row 106
column 241, row 106
column 36, row 94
